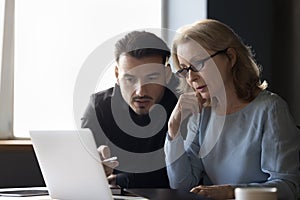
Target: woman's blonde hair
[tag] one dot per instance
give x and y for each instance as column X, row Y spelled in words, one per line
column 215, row 36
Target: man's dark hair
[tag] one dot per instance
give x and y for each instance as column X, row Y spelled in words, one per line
column 140, row 44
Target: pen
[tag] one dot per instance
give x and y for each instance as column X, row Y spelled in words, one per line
column 110, row 159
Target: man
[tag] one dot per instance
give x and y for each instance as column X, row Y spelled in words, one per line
column 131, row 118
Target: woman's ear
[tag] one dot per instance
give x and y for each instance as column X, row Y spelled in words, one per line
column 117, row 74
column 232, row 55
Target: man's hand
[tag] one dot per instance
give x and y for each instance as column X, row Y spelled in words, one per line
column 112, row 179
column 108, row 166
column 215, row 191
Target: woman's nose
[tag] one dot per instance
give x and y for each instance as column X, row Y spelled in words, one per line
column 192, row 76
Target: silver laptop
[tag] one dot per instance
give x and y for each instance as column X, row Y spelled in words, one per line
column 71, row 165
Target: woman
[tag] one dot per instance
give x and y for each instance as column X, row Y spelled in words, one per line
column 239, row 134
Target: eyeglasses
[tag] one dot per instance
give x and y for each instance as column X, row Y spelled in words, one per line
column 197, row 66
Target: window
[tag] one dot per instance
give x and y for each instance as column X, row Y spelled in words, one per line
column 52, row 40
column 1, row 28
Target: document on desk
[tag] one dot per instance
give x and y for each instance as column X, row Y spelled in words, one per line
column 41, row 193
column 23, row 192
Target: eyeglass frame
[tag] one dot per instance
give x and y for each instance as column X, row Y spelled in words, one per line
column 201, row 63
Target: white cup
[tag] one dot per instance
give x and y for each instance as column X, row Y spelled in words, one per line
column 255, row 193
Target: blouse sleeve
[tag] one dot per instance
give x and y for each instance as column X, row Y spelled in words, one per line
column 183, row 164
column 281, row 151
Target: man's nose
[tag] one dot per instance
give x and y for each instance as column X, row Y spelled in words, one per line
column 140, row 88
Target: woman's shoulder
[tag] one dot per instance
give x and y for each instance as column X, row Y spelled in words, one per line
column 269, row 99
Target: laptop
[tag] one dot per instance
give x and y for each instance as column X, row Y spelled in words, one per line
column 70, row 164
column 72, row 169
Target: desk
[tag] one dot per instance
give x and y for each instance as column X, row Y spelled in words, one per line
column 166, row 194
column 49, row 198
column 141, row 194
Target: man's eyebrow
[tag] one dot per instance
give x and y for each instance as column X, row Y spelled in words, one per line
column 153, row 74
column 128, row 75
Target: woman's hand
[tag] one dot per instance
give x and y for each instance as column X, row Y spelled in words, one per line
column 188, row 103
column 215, row 191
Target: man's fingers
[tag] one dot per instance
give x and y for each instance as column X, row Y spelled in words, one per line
column 104, row 152
column 111, row 164
column 112, row 179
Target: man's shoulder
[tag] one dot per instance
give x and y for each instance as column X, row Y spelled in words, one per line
column 103, row 97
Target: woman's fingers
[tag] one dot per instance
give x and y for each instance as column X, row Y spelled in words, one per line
column 215, row 191
column 191, row 102
column 188, row 103
column 198, row 190
column 195, row 190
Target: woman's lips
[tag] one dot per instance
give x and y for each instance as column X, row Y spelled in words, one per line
column 201, row 88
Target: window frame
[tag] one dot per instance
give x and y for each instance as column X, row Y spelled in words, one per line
column 7, row 73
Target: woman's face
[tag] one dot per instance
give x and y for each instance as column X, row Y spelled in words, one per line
column 212, row 79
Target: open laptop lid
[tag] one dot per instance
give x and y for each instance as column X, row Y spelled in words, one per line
column 70, row 164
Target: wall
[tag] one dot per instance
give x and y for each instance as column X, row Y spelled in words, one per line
column 285, row 49
column 295, row 99
column 271, row 27
column 177, row 13
column 252, row 21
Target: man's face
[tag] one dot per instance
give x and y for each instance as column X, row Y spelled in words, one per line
column 141, row 81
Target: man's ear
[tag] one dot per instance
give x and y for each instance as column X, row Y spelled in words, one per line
column 232, row 55
column 168, row 73
column 117, row 74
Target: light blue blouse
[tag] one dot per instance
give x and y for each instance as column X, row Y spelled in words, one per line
column 256, row 146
